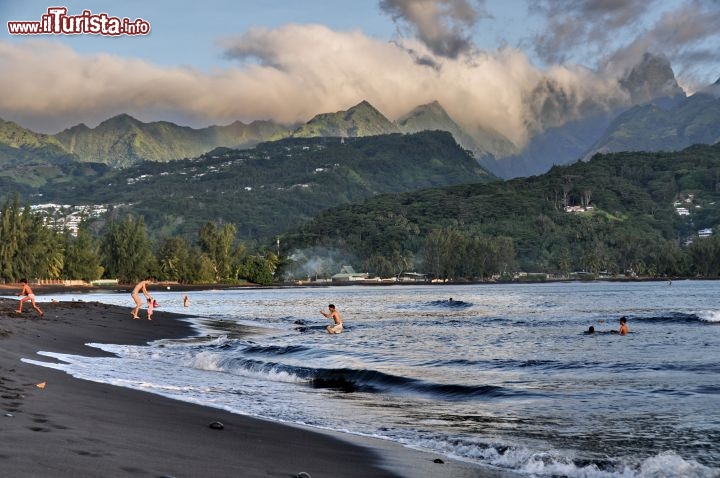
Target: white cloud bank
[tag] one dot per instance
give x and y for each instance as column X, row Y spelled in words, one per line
column 288, row 74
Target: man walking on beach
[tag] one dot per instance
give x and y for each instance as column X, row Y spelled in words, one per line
column 28, row 293
column 140, row 287
column 335, row 315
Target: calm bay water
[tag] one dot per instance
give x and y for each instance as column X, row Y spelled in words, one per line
column 502, row 375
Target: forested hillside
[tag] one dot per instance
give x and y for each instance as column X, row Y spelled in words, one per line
column 623, row 214
column 616, row 214
column 266, row 190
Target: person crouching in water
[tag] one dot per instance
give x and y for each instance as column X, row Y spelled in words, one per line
column 335, row 316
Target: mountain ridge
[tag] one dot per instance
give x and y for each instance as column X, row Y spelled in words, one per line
column 651, row 127
column 122, row 140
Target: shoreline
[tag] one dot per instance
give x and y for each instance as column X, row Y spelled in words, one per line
column 12, row 289
column 74, row 427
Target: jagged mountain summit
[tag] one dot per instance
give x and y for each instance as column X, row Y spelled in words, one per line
column 652, row 79
column 663, row 117
column 650, row 86
column 427, row 117
column 362, row 119
column 432, row 116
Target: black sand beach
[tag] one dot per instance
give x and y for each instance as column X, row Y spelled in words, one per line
column 77, row 428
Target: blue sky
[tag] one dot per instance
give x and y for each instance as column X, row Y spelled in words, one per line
column 217, row 61
column 191, row 37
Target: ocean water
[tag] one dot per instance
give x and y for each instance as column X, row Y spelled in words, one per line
column 501, row 375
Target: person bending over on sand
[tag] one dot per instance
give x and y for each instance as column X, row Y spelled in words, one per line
column 140, row 287
column 28, row 293
column 335, row 315
column 623, row 326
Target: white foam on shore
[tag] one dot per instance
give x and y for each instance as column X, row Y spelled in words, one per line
column 514, row 460
column 395, row 456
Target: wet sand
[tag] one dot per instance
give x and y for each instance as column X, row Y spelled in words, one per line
column 78, row 428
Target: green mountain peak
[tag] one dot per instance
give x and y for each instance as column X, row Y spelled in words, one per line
column 360, row 120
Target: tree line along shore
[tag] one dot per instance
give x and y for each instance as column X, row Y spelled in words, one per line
column 124, row 252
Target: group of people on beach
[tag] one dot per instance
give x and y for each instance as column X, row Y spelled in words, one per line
column 332, row 313
column 152, row 303
column 141, row 287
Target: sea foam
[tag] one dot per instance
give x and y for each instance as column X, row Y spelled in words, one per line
column 709, row 316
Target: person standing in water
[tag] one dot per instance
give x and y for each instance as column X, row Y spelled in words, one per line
column 28, row 293
column 333, row 314
column 140, row 287
column 623, row 326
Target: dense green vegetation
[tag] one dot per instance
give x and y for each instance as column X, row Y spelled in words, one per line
column 475, row 230
column 28, row 248
column 31, row 248
column 625, row 222
column 273, row 187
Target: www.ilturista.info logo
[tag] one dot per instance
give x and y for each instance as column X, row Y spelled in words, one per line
column 57, row 22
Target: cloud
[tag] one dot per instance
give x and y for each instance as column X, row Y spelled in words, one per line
column 688, row 36
column 616, row 33
column 590, row 24
column 444, row 26
column 289, row 74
